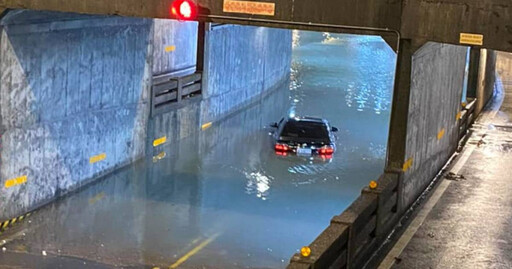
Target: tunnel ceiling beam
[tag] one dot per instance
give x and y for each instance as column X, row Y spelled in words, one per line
column 433, row 20
column 397, row 139
column 443, row 21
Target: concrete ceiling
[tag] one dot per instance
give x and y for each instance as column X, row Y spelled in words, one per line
column 432, row 20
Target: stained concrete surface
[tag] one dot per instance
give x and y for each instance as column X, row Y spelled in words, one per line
column 70, row 90
column 437, row 80
column 242, row 64
column 470, row 225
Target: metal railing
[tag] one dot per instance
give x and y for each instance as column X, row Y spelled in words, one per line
column 467, row 117
column 167, row 92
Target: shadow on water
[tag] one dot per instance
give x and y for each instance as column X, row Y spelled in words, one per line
column 224, row 188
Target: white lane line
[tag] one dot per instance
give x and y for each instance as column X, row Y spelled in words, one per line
column 389, row 261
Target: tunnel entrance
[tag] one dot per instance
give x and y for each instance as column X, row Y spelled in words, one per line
column 208, row 181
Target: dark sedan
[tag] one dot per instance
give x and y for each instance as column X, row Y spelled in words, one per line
column 304, row 136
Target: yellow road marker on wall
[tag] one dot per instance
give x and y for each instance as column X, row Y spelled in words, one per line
column 159, row 141
column 97, row 158
column 440, row 134
column 373, row 185
column 459, row 115
column 407, row 164
column 194, row 251
column 15, row 181
column 206, row 126
column 170, row 48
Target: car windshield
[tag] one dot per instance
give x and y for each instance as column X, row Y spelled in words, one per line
column 310, row 130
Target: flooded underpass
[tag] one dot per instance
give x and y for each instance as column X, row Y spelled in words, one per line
column 222, row 198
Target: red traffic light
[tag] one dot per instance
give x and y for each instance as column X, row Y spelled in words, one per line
column 184, row 9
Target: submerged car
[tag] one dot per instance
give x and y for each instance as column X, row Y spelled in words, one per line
column 304, row 136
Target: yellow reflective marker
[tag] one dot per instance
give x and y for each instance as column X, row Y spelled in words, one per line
column 373, row 184
column 97, row 158
column 170, row 48
column 206, row 125
column 407, row 164
column 440, row 134
column 15, row 181
column 194, row 251
column 5, row 224
column 305, row 251
column 159, row 141
column 459, row 115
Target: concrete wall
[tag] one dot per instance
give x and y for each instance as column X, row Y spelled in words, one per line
column 242, row 63
column 504, row 64
column 174, row 46
column 76, row 88
column 432, row 131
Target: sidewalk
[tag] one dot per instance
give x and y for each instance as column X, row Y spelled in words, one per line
column 470, row 226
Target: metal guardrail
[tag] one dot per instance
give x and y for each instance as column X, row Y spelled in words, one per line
column 353, row 236
column 170, row 91
column 466, row 117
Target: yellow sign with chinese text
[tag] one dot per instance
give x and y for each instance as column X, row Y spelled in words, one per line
column 249, row 7
column 471, row 39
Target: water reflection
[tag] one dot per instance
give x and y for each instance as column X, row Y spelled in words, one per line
column 226, row 186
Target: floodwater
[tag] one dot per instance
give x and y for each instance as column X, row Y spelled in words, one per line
column 222, row 198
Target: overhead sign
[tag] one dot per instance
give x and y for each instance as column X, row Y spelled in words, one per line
column 471, row 39
column 249, row 7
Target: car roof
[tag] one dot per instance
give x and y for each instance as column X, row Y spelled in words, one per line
column 307, row 119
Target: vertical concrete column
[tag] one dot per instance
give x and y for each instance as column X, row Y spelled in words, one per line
column 474, row 67
column 400, row 106
column 481, row 77
column 396, row 151
column 201, row 32
column 203, row 55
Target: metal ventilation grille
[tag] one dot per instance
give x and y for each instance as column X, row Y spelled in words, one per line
column 169, row 92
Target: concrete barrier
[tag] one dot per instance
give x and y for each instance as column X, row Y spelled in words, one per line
column 353, row 236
